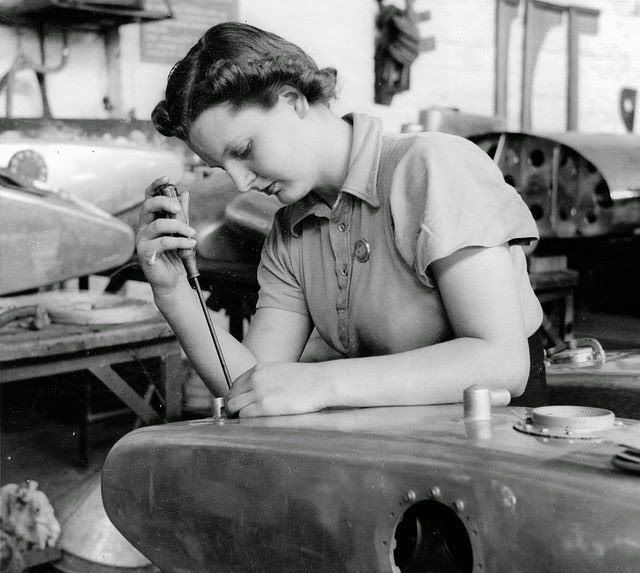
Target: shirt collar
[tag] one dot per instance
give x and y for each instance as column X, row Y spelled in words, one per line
column 364, row 158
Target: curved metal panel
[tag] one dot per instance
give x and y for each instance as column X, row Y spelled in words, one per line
column 616, row 156
column 111, row 175
column 47, row 238
column 327, row 491
column 574, row 184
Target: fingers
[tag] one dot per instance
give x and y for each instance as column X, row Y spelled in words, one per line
column 151, row 189
column 160, row 227
column 167, row 243
column 158, row 206
column 163, row 235
column 184, row 198
column 154, row 205
column 240, row 394
column 252, row 411
column 236, row 404
column 153, row 249
column 167, row 230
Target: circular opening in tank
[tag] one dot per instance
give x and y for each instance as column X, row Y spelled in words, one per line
column 431, row 538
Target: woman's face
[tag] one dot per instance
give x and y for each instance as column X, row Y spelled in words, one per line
column 271, row 151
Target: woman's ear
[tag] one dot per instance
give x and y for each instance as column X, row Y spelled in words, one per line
column 296, row 100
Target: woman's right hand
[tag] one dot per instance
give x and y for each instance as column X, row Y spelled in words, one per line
column 155, row 243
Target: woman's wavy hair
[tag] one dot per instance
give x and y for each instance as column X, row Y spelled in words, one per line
column 240, row 65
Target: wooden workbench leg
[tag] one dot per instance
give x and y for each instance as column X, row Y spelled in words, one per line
column 123, row 390
column 173, row 377
column 83, row 422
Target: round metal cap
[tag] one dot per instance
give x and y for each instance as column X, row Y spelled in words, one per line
column 573, row 418
column 567, row 421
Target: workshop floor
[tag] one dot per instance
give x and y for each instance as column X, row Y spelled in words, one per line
column 39, row 436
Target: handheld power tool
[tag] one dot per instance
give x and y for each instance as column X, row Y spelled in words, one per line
column 188, row 257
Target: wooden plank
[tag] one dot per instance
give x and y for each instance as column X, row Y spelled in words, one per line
column 121, row 389
column 25, row 370
column 59, row 339
column 542, row 282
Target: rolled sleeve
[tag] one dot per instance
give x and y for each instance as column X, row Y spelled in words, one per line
column 447, row 195
column 279, row 287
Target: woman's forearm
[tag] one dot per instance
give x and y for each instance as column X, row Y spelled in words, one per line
column 183, row 312
column 431, row 375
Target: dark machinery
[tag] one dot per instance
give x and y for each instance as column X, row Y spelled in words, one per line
column 584, row 192
column 575, row 184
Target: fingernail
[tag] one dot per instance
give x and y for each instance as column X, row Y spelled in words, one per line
column 192, row 231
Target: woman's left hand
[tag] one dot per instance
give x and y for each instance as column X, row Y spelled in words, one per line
column 271, row 389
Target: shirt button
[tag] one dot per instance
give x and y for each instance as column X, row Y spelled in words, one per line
column 344, row 271
column 362, row 250
column 342, row 227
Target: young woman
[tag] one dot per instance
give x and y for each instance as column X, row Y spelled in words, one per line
column 403, row 251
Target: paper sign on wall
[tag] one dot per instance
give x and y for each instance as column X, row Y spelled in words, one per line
column 168, row 41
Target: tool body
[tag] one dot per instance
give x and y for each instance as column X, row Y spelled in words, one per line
column 188, row 257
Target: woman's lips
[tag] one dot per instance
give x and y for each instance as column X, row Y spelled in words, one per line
column 270, row 189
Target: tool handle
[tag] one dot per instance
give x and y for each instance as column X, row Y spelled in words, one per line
column 188, row 256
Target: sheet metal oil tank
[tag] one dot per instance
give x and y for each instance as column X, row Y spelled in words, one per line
column 401, row 489
column 108, row 172
column 47, row 236
column 575, row 184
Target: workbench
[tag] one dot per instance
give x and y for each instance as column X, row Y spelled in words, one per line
column 67, row 348
column 615, row 385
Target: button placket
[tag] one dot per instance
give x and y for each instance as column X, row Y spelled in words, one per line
column 341, row 248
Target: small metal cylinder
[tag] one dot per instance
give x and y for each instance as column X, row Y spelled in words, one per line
column 478, row 401
column 217, row 406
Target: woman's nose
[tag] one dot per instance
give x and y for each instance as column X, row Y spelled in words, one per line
column 242, row 177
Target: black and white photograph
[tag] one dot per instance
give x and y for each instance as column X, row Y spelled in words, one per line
column 329, row 286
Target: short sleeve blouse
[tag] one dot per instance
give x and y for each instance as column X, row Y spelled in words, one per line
column 361, row 268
